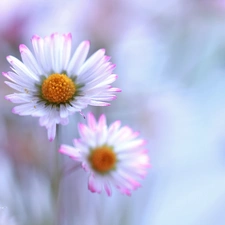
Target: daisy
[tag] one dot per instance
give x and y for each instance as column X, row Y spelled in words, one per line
column 52, row 84
column 111, row 155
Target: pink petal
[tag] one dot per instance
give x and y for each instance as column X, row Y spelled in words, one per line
column 108, row 189
column 102, row 122
column 51, row 132
column 94, row 185
column 91, row 121
column 70, row 151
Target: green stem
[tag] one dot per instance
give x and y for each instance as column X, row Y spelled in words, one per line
column 56, row 180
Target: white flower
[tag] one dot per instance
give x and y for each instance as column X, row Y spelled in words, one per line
column 54, row 85
column 111, row 155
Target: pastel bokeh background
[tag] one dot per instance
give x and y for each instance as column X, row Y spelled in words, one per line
column 170, row 59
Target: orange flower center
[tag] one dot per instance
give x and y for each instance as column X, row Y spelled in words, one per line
column 58, row 88
column 103, row 159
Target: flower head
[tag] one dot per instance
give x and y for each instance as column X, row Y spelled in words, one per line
column 53, row 85
column 111, row 155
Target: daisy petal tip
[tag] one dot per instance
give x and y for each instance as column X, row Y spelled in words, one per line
column 51, row 132
column 148, row 166
column 108, row 190
column 144, row 142
column 86, row 43
column 4, row 74
column 113, row 66
column 68, row 36
column 109, row 193
column 7, row 98
column 127, row 193
column 13, row 110
column 92, row 189
column 102, row 118
column 91, row 118
column 91, row 114
column 102, row 50
column 61, row 149
column 107, row 58
column 22, row 48
column 80, row 126
column 9, row 58
column 35, row 38
column 53, row 35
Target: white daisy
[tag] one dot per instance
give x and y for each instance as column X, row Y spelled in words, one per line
column 53, row 85
column 111, row 155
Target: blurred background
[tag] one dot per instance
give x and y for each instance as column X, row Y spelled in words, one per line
column 170, row 59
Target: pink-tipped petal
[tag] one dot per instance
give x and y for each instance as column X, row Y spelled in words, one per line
column 102, row 121
column 51, row 132
column 94, row 185
column 91, row 120
column 92, row 61
column 108, row 189
column 70, row 151
column 78, row 58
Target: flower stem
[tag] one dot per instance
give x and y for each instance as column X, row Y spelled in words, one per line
column 56, row 180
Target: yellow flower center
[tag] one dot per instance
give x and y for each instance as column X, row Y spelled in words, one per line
column 103, row 159
column 58, row 88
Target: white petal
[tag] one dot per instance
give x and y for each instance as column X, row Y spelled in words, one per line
column 108, row 189
column 85, row 132
column 94, row 185
column 104, row 98
column 91, row 121
column 21, row 80
column 99, row 103
column 51, row 132
column 56, row 52
column 18, row 98
column 70, row 151
column 42, row 52
column 113, row 128
column 92, row 61
column 24, row 109
column 130, row 145
column 107, row 81
column 63, row 111
column 15, row 86
column 102, row 122
column 99, row 70
column 66, row 50
column 29, row 60
column 21, row 69
column 64, row 121
column 78, row 58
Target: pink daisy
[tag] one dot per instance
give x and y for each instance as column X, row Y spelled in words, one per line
column 111, row 155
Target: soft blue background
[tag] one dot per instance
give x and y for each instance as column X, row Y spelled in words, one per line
column 170, row 58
